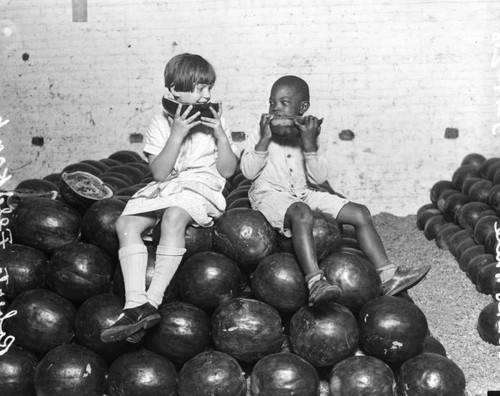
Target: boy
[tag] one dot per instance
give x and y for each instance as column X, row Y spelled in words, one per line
column 282, row 170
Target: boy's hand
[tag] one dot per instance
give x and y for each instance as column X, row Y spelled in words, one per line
column 265, row 126
column 215, row 123
column 309, row 130
column 182, row 125
column 265, row 132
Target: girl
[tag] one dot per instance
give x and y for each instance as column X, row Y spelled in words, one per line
column 189, row 157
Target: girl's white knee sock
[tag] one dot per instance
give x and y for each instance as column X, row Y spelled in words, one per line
column 134, row 262
column 167, row 262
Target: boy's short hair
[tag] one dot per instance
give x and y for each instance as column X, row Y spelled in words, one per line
column 296, row 82
column 184, row 71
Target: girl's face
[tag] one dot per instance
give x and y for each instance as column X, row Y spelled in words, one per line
column 200, row 94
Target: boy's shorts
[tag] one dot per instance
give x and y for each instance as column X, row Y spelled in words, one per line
column 274, row 204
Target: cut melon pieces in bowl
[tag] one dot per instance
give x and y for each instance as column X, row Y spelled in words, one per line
column 81, row 189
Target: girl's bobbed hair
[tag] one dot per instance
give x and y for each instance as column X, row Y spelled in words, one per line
column 184, row 71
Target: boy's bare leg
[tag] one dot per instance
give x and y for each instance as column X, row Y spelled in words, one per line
column 394, row 279
column 299, row 218
column 368, row 238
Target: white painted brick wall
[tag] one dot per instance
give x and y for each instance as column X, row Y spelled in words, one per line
column 395, row 73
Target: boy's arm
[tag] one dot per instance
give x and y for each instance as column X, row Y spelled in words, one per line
column 254, row 157
column 252, row 162
column 316, row 168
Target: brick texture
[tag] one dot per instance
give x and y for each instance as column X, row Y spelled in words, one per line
column 397, row 74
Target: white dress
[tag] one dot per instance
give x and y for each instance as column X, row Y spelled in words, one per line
column 194, row 184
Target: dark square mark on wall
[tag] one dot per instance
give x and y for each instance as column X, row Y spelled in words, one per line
column 135, row 138
column 451, row 133
column 238, row 136
column 346, row 134
column 79, row 10
column 37, row 141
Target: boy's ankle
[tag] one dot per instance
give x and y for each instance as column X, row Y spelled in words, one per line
column 387, row 272
column 315, row 276
column 323, row 290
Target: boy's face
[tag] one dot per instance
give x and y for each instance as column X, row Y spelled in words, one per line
column 287, row 100
column 200, row 94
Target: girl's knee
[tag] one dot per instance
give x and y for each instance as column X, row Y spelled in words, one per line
column 175, row 219
column 122, row 224
column 131, row 225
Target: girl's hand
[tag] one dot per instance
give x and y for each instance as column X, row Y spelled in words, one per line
column 215, row 123
column 309, row 131
column 182, row 125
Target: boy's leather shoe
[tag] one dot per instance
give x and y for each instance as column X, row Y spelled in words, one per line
column 404, row 279
column 130, row 322
column 323, row 290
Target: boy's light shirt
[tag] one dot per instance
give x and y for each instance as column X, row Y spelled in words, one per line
column 282, row 168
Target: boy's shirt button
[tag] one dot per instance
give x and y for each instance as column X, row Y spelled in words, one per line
column 289, row 156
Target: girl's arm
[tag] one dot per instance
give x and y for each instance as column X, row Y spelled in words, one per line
column 162, row 164
column 226, row 160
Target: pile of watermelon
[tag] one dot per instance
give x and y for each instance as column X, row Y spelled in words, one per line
column 463, row 217
column 235, row 320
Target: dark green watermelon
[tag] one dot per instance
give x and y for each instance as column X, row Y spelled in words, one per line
column 45, row 223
